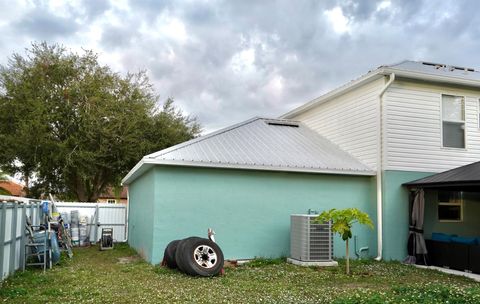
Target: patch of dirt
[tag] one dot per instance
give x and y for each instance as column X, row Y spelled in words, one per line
column 127, row 260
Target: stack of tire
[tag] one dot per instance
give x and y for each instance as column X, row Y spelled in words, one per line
column 194, row 256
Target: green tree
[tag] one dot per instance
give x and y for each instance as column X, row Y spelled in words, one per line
column 3, row 177
column 76, row 126
column 342, row 222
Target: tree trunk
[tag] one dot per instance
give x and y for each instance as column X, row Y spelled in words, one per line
column 348, row 259
column 27, row 184
column 79, row 187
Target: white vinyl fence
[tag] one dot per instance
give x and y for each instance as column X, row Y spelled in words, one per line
column 100, row 215
column 13, row 216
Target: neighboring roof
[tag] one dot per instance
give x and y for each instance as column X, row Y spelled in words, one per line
column 258, row 144
column 13, row 188
column 110, row 193
column 424, row 71
column 468, row 175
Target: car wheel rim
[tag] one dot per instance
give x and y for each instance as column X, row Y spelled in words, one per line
column 205, row 256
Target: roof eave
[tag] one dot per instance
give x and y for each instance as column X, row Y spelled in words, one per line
column 441, row 184
column 141, row 167
column 431, row 77
column 146, row 164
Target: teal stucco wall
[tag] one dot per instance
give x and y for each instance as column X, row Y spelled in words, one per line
column 249, row 210
column 141, row 214
column 395, row 212
column 470, row 226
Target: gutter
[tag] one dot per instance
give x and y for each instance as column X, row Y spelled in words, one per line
column 379, row 169
column 145, row 163
column 127, row 212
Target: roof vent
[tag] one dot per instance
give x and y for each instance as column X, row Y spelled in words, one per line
column 436, row 65
column 450, row 68
column 283, row 124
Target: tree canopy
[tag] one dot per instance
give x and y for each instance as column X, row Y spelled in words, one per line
column 76, row 126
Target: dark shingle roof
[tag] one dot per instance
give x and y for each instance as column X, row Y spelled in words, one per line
column 468, row 175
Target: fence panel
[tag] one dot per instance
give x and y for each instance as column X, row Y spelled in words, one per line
column 100, row 215
column 14, row 212
column 13, row 216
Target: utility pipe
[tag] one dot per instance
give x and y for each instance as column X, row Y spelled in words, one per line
column 358, row 252
column 379, row 169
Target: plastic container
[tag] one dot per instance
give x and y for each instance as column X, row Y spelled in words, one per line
column 83, row 230
column 75, row 235
column 55, row 248
column 74, row 216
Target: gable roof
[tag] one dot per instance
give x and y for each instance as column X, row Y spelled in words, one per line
column 468, row 175
column 419, row 70
column 258, row 144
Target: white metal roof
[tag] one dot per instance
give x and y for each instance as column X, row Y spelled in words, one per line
column 436, row 69
column 425, row 71
column 258, row 144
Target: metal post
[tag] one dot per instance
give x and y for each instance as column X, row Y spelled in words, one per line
column 13, row 239
column 3, row 208
column 97, row 223
column 39, row 213
column 23, row 237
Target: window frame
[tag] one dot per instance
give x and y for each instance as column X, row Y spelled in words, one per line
column 459, row 203
column 464, row 121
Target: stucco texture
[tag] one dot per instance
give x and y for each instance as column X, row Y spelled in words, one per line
column 249, row 210
column 395, row 212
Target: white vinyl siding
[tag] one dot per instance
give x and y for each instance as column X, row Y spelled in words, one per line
column 413, row 128
column 350, row 121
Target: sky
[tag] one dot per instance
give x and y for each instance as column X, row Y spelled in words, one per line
column 227, row 61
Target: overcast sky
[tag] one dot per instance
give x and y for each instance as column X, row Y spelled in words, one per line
column 226, row 61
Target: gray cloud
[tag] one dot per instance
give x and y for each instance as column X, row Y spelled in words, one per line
column 42, row 24
column 225, row 61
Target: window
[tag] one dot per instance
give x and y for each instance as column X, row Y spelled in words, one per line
column 453, row 121
column 111, row 201
column 450, row 206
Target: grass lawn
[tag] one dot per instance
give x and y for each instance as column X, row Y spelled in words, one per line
column 119, row 276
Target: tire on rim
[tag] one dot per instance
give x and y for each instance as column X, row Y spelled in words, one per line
column 169, row 254
column 200, row 257
column 178, row 252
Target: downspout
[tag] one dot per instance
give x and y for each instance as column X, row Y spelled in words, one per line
column 379, row 169
column 127, row 212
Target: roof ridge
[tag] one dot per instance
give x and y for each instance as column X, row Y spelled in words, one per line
column 201, row 138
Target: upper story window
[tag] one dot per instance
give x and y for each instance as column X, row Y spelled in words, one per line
column 453, row 121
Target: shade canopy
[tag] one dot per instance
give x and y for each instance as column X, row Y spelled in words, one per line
column 466, row 178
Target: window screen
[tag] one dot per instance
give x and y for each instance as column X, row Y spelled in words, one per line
column 453, row 121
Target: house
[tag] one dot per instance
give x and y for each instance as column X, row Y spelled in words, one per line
column 244, row 182
column 406, row 121
column 353, row 147
column 111, row 196
column 8, row 187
